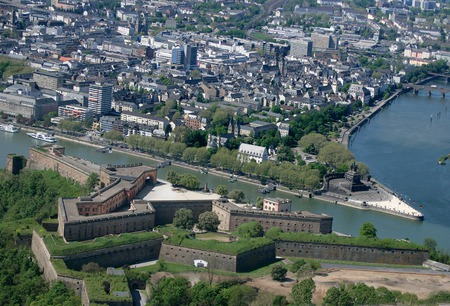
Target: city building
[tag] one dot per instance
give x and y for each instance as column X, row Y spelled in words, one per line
column 100, row 98
column 157, row 122
column 278, row 204
column 190, row 53
column 75, row 112
column 248, row 152
column 48, row 80
column 20, row 103
column 324, row 41
column 301, row 48
column 177, row 55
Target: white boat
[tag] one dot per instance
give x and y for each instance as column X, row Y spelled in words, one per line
column 42, row 136
column 9, row 128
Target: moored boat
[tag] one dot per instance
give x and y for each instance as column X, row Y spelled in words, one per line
column 42, row 136
column 9, row 128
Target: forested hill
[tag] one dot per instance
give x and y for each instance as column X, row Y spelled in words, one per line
column 25, row 200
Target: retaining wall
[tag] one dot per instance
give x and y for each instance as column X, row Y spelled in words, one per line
column 117, row 256
column 234, row 263
column 351, row 253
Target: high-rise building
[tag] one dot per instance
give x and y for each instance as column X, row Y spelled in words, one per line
column 324, row 41
column 190, row 53
column 100, row 98
column 301, row 48
column 177, row 55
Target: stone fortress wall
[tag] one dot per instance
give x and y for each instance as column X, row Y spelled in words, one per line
column 351, row 253
column 117, row 256
column 41, row 159
column 231, row 217
column 234, row 263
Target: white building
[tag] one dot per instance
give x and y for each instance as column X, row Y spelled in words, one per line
column 279, row 205
column 247, row 152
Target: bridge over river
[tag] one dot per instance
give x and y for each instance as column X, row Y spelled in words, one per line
column 429, row 88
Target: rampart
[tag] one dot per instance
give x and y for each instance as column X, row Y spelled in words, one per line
column 43, row 260
column 231, row 217
column 117, row 256
column 234, row 263
column 165, row 210
column 47, row 158
column 351, row 253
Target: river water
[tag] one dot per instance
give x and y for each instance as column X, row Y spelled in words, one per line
column 399, row 145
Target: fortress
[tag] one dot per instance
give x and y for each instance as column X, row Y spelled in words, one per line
column 119, row 206
column 131, row 199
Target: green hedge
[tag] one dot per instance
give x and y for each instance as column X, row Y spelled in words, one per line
column 354, row 241
column 58, row 247
column 231, row 248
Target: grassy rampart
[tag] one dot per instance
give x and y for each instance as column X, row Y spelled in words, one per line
column 58, row 247
column 353, row 241
column 231, row 248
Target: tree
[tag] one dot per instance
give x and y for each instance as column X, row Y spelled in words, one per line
column 171, row 292
column 278, row 272
column 285, row 154
column 113, row 136
column 368, row 230
column 249, row 230
column 208, row 221
column 239, row 295
column 297, row 265
column 237, row 195
column 307, row 270
column 259, row 202
column 312, row 142
column 203, row 294
column 302, row 292
column 183, row 218
column 337, row 296
column 58, row 294
column 221, row 190
column 92, row 181
column 280, row 300
column 430, row 244
column 335, row 155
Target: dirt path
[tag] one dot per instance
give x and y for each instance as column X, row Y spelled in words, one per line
column 420, row 284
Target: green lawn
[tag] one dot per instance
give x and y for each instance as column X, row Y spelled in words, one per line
column 57, row 246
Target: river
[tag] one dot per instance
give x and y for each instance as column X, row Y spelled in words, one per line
column 367, row 149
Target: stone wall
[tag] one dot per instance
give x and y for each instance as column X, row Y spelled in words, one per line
column 351, row 253
column 40, row 160
column 15, row 163
column 231, row 217
column 102, row 225
column 43, row 260
column 243, row 262
column 165, row 210
column 117, row 256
